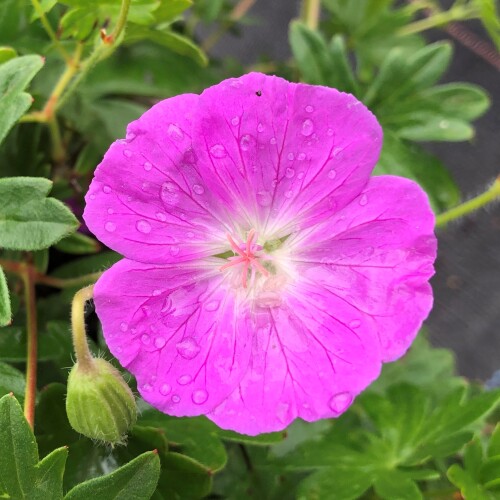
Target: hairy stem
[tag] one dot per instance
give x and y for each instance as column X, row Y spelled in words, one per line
column 310, row 13
column 83, row 355
column 32, row 344
column 48, row 28
column 472, row 205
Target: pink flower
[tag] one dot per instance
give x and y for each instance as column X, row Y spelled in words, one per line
column 266, row 275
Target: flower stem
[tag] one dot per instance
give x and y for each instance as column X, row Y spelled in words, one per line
column 470, row 206
column 43, row 279
column 82, row 351
column 48, row 28
column 310, row 13
column 32, row 344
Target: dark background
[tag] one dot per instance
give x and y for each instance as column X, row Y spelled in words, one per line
column 466, row 314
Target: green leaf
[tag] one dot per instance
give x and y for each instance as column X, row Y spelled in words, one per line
column 344, row 76
column 169, row 39
column 50, row 471
column 29, row 220
column 137, row 479
column 489, row 17
column 5, row 308
column 423, row 126
column 45, row 6
column 494, row 446
column 87, row 265
column 78, row 244
column 169, row 11
column 395, row 485
column 469, row 488
column 15, row 74
column 11, row 380
column 401, row 158
column 264, row 439
column 6, row 54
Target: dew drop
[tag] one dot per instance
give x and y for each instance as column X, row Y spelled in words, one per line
column 190, row 157
column 167, row 305
column 119, row 350
column 188, row 348
column 174, row 250
column 92, row 196
column 340, row 402
column 111, row 211
column 218, row 151
column 198, row 189
column 291, row 156
column 307, row 127
column 184, row 379
column 332, row 174
column 169, row 193
column 145, row 339
column 289, row 172
column 110, row 227
column 260, row 127
column 106, row 189
column 235, row 120
column 175, row 132
column 330, row 132
column 175, row 398
column 300, row 175
column 127, row 153
column 301, row 156
column 123, row 326
column 130, row 136
column 160, row 342
column 147, row 387
column 363, row 200
column 161, row 216
column 165, row 389
column 143, row 226
column 147, row 166
column 309, row 109
column 273, row 140
column 355, row 323
column 156, row 292
column 288, row 194
column 246, row 142
column 264, row 198
column 213, row 305
column 199, row 396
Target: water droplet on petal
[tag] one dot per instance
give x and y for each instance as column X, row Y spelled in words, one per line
column 106, row 189
column 355, row 323
column 145, row 339
column 199, row 396
column 175, row 132
column 188, row 348
column 143, row 226
column 110, row 227
column 111, row 211
column 130, row 136
column 160, row 342
column 330, row 132
column 184, row 379
column 340, row 402
column 301, row 156
column 290, row 172
column 235, row 120
column 92, row 196
column 246, row 142
column 174, row 250
column 307, row 127
column 119, row 350
column 167, row 305
column 309, row 109
column 291, row 156
column 123, row 326
column 260, row 127
column 147, row 166
column 175, row 398
column 363, row 200
column 169, row 193
column 288, row 194
column 273, row 140
column 218, row 151
column 127, row 153
column 332, row 174
column 198, row 189
column 165, row 389
column 156, row 292
column 264, row 198
column 147, row 387
column 161, row 216
column 213, row 305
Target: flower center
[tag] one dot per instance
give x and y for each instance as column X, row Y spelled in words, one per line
column 246, row 258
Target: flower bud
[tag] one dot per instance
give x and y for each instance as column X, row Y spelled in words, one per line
column 99, row 404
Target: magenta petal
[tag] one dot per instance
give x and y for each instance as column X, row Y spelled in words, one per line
column 307, row 361
column 377, row 255
column 174, row 328
column 282, row 154
column 147, row 200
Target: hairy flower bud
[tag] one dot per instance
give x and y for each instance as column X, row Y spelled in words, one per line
column 99, row 404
